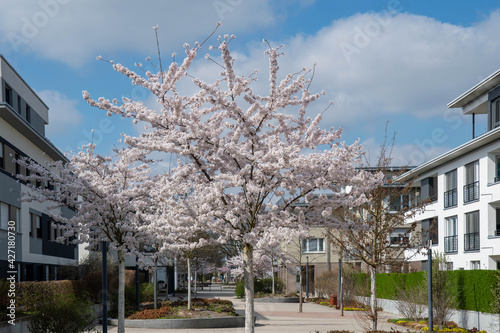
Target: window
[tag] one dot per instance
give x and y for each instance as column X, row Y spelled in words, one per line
column 475, row 264
column 451, row 238
column 449, row 266
column 18, row 104
column 471, row 188
column 495, row 113
column 497, row 168
column 1, row 155
column 9, row 213
column 36, row 226
column 4, row 216
column 8, row 95
column 399, row 237
column 471, row 237
column 313, row 245
column 18, row 166
column 450, row 196
column 497, row 229
column 28, row 113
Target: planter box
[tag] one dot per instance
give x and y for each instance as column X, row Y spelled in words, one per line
column 221, row 322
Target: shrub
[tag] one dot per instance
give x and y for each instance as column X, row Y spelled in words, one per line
column 327, row 283
column 31, row 293
column 62, row 314
column 260, row 286
column 152, row 313
column 94, row 283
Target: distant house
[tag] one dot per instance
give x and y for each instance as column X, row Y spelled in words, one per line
column 464, row 185
column 23, row 116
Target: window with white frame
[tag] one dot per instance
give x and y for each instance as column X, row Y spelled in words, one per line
column 9, row 213
column 475, row 264
column 471, row 236
column 451, row 237
column 312, row 245
column 450, row 194
column 471, row 187
column 399, row 236
column 35, row 226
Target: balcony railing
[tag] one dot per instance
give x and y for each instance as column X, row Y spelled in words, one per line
column 450, row 198
column 451, row 244
column 471, row 192
column 471, row 241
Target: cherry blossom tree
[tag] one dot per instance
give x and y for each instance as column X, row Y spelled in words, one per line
column 238, row 150
column 108, row 196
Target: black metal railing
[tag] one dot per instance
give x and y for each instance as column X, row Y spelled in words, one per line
column 451, row 244
column 471, row 241
column 497, row 232
column 471, row 192
column 450, row 198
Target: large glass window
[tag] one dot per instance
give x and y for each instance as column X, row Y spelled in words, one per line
column 450, row 194
column 28, row 113
column 495, row 113
column 471, row 188
column 313, row 245
column 8, row 95
column 36, row 226
column 9, row 213
column 1, row 155
column 471, row 237
column 451, row 238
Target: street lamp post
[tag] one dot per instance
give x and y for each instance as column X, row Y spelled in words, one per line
column 307, row 277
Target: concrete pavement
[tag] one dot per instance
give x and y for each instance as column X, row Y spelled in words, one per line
column 281, row 317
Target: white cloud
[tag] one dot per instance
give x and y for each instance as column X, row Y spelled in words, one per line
column 410, row 154
column 75, row 31
column 397, row 64
column 63, row 114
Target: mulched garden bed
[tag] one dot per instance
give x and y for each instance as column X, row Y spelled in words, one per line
column 200, row 308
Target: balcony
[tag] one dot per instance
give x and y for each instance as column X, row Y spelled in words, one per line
column 451, row 244
column 471, row 192
column 450, row 198
column 471, row 241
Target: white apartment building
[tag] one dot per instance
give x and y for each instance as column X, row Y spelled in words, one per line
column 464, row 187
column 23, row 116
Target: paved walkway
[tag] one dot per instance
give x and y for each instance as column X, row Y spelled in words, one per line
column 281, row 317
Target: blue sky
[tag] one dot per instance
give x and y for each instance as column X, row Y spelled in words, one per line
column 397, row 61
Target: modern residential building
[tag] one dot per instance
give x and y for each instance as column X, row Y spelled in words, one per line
column 464, row 186
column 23, row 117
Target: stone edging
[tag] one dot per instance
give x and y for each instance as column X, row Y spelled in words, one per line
column 277, row 300
column 220, row 322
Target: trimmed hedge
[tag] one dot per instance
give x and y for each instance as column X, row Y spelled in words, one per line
column 32, row 293
column 473, row 287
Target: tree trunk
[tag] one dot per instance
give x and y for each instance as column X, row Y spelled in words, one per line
column 272, row 277
column 301, row 290
column 249, row 287
column 189, row 283
column 155, row 274
column 373, row 296
column 196, row 282
column 121, row 291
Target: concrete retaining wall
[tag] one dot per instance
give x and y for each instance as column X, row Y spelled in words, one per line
column 221, row 322
column 464, row 318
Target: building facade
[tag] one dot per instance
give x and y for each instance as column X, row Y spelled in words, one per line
column 463, row 186
column 23, row 117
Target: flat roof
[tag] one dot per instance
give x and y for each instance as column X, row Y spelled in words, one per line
column 14, row 120
column 477, row 91
column 457, row 152
column 20, row 77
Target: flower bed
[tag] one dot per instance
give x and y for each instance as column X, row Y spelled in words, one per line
column 423, row 326
column 200, row 308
